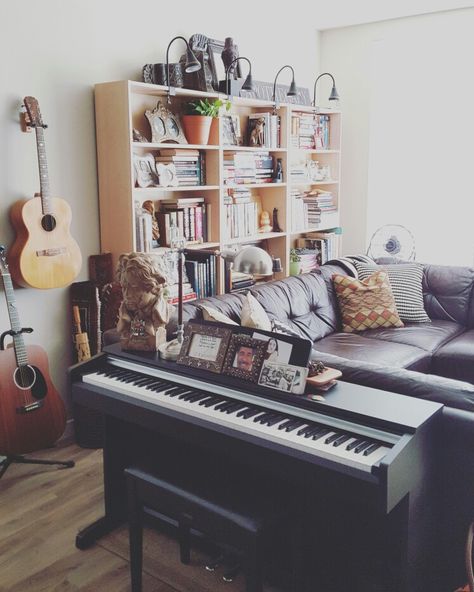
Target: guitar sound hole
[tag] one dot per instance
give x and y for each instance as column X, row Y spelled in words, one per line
column 24, row 377
column 48, row 222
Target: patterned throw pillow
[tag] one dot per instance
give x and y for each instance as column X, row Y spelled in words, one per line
column 406, row 280
column 212, row 314
column 366, row 304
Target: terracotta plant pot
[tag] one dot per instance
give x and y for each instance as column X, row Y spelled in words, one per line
column 214, row 134
column 197, row 128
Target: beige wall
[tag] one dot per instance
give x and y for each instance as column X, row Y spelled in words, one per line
column 56, row 50
column 348, row 54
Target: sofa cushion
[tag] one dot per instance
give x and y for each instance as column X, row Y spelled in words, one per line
column 455, row 359
column 212, row 314
column 427, row 336
column 448, row 293
column 406, row 281
column 366, row 304
column 301, row 302
column 355, row 346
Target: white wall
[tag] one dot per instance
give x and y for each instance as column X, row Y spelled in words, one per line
column 370, row 74
column 56, row 51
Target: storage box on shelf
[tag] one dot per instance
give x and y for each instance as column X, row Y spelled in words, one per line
column 214, row 207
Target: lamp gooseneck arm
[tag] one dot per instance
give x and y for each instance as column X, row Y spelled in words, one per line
column 316, row 82
column 168, row 61
column 276, row 78
column 229, row 67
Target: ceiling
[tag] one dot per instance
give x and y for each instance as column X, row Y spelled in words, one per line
column 343, row 13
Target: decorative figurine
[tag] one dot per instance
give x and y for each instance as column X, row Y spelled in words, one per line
column 229, row 54
column 144, row 311
column 278, row 173
column 256, row 135
column 276, row 226
column 150, row 207
column 138, row 136
column 265, row 225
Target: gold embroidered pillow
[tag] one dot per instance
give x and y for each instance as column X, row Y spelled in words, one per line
column 366, row 304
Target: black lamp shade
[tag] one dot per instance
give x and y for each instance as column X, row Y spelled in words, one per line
column 192, row 64
column 248, row 83
column 334, row 95
column 292, row 92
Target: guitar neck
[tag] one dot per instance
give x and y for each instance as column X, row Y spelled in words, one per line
column 18, row 341
column 43, row 171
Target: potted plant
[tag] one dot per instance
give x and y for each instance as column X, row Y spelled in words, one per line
column 198, row 118
column 295, row 260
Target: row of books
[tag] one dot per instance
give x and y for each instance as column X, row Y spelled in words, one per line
column 308, row 206
column 190, row 215
column 325, row 243
column 242, row 168
column 189, row 165
column 241, row 211
column 236, row 281
column 310, row 131
column 201, row 270
column 271, row 129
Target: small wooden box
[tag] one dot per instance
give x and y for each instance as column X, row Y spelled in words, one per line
column 324, row 378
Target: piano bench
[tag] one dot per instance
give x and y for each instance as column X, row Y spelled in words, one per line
column 192, row 508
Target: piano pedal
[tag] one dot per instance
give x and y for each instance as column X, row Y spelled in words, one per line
column 232, row 572
column 214, row 562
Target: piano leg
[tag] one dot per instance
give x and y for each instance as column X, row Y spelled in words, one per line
column 116, row 453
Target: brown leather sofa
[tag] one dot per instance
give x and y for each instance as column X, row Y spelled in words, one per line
column 432, row 360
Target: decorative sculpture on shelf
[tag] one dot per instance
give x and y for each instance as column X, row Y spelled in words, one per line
column 265, row 225
column 144, row 311
column 276, row 226
column 256, row 135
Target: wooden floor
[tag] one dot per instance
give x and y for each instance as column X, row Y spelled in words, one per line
column 41, row 510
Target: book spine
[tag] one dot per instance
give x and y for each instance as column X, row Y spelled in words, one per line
column 198, row 223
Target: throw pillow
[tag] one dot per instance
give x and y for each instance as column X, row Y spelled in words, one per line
column 406, row 280
column 253, row 314
column 366, row 304
column 283, row 329
column 212, row 314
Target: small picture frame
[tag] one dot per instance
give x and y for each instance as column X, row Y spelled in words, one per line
column 283, row 377
column 229, row 136
column 165, row 126
column 144, row 170
column 204, row 347
column 244, row 357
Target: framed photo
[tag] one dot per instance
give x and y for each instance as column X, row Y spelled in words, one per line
column 283, row 377
column 244, row 357
column 165, row 126
column 144, row 170
column 229, row 136
column 277, row 350
column 204, row 346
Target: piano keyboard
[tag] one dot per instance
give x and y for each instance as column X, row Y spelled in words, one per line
column 279, row 426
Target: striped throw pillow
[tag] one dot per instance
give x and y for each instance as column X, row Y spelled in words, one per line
column 406, row 280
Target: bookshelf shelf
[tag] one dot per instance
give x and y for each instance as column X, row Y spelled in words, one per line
column 151, row 190
column 163, row 146
column 120, row 108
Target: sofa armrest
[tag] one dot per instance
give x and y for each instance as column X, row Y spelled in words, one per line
column 449, row 392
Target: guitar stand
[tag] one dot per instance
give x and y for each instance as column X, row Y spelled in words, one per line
column 18, row 458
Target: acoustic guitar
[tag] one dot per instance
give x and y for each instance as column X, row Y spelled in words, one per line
column 44, row 254
column 32, row 414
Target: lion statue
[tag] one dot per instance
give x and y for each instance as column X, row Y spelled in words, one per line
column 144, row 311
column 256, row 135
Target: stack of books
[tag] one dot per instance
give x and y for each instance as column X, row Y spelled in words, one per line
column 271, row 129
column 242, row 168
column 307, row 207
column 189, row 165
column 309, row 131
column 241, row 210
column 201, row 269
column 299, row 173
column 327, row 243
column 191, row 215
column 241, row 281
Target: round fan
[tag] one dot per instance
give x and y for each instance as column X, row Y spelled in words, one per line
column 392, row 240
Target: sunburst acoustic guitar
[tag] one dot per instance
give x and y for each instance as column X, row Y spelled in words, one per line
column 44, row 254
column 32, row 414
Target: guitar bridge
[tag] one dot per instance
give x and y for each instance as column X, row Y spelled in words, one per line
column 30, row 407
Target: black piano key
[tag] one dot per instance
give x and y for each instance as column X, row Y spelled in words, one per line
column 175, row 391
column 294, row 425
column 149, row 380
column 261, row 416
column 187, row 396
column 283, row 425
column 330, row 439
column 354, row 443
column 371, row 449
column 275, row 419
column 235, row 407
column 244, row 410
column 311, row 430
column 131, row 378
column 268, row 417
column 341, row 440
column 126, row 376
column 223, row 406
column 141, row 381
column 197, row 397
column 157, row 386
column 362, row 446
column 320, row 434
column 250, row 413
column 211, row 402
column 303, row 430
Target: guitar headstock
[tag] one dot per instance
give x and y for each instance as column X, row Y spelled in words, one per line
column 3, row 260
column 34, row 113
